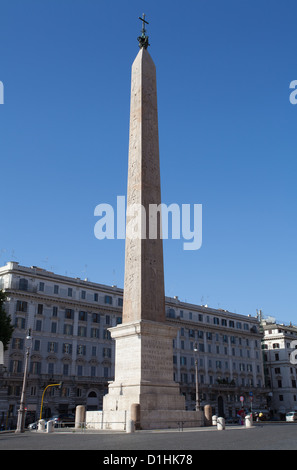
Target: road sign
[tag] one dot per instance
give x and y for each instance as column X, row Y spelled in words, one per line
column 241, row 398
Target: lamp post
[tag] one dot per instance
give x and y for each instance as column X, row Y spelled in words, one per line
column 197, row 407
column 21, row 411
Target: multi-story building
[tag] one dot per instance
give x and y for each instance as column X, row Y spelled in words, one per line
column 280, row 368
column 69, row 319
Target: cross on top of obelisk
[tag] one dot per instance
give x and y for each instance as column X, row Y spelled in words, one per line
column 143, row 39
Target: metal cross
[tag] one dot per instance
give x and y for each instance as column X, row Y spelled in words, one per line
column 143, row 39
column 143, row 21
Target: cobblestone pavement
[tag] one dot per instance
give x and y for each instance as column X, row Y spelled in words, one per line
column 268, row 436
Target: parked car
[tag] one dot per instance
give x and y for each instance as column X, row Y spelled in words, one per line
column 63, row 420
column 33, row 425
column 291, row 416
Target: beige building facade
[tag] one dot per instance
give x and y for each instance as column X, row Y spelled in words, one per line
column 70, row 318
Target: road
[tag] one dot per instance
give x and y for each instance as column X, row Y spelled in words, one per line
column 268, row 436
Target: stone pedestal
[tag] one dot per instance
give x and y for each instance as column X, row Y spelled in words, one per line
column 143, row 369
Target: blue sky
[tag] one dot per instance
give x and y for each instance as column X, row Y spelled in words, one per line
column 227, row 140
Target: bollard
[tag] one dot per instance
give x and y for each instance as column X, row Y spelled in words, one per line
column 80, row 416
column 135, row 414
column 248, row 421
column 207, row 415
column 214, row 420
column 130, row 426
column 41, row 425
column 220, row 424
column 50, row 426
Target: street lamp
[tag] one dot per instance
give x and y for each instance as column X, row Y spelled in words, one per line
column 21, row 411
column 197, row 407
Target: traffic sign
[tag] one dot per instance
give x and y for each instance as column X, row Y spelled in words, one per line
column 241, row 398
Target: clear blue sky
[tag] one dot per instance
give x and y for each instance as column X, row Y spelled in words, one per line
column 227, row 140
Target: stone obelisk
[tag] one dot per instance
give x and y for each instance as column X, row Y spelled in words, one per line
column 143, row 342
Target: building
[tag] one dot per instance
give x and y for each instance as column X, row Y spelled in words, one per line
column 279, row 344
column 69, row 320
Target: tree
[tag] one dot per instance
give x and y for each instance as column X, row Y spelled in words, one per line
column 6, row 328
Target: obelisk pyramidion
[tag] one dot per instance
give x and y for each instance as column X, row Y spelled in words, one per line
column 143, row 350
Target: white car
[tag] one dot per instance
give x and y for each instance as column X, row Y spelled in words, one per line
column 291, row 416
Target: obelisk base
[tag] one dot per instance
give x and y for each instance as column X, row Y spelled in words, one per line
column 144, row 376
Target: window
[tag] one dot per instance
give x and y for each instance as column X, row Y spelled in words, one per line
column 216, row 321
column 108, row 299
column 35, row 368
column 95, row 333
column 83, row 316
column 171, row 313
column 69, row 291
column 68, row 329
column 56, row 289
column 96, row 317
column 83, row 294
column 55, row 311
column 82, row 331
column 275, row 345
column 40, row 309
column 96, row 297
column 54, row 327
column 107, row 352
column 41, row 286
column 120, row 302
column 106, row 334
column 69, row 313
column 81, row 349
column 52, row 347
column 17, row 343
column 20, row 323
column 23, row 284
column 67, row 348
column 231, row 323
column 21, row 306
column 38, row 325
column 15, row 366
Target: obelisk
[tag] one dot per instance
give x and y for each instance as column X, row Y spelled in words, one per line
column 143, row 349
